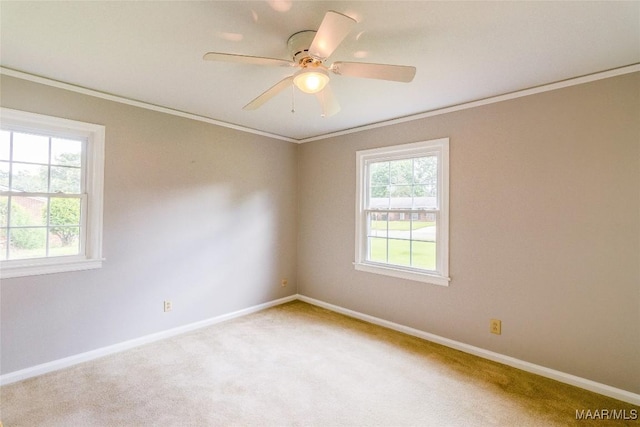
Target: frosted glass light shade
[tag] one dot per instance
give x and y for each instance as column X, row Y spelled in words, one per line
column 311, row 81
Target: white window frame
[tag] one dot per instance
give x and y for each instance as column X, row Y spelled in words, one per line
column 438, row 147
column 90, row 256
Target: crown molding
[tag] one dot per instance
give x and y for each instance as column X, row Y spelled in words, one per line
column 485, row 101
column 135, row 103
column 436, row 112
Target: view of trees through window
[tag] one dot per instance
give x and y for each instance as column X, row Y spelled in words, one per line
column 40, row 195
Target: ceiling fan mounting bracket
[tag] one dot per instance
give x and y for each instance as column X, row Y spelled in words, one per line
column 298, row 45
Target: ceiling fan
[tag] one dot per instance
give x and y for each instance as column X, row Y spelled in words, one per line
column 309, row 50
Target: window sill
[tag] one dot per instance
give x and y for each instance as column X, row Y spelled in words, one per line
column 24, row 268
column 417, row 276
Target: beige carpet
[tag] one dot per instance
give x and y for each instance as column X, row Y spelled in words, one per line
column 296, row 365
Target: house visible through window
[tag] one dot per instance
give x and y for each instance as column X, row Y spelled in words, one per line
column 50, row 194
column 402, row 212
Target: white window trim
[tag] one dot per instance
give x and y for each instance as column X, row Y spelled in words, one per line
column 16, row 120
column 441, row 146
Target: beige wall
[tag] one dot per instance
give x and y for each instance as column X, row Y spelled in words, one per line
column 545, row 230
column 199, row 214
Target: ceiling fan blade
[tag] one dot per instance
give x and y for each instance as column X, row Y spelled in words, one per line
column 328, row 102
column 245, row 59
column 269, row 93
column 333, row 29
column 396, row 73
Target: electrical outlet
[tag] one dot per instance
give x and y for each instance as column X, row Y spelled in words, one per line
column 495, row 326
column 284, row 283
column 167, row 306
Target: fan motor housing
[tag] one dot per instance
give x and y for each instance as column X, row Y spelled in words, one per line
column 298, row 45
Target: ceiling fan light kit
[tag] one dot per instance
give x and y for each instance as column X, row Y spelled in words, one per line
column 310, row 80
column 308, row 51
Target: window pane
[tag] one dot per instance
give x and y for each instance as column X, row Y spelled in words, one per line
column 65, row 180
column 66, row 152
column 64, row 211
column 377, row 249
column 379, row 173
column 29, row 178
column 425, row 170
column 400, row 191
column 28, row 211
column 419, row 191
column 4, row 200
column 379, row 191
column 401, row 171
column 3, row 231
column 4, row 176
column 400, row 197
column 424, row 196
column 399, row 252
column 30, row 148
column 378, row 224
column 379, row 197
column 424, row 228
column 27, row 242
column 423, row 255
column 64, row 241
column 5, row 145
column 399, row 225
column 3, row 244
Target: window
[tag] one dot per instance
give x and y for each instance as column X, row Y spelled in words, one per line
column 402, row 221
column 51, row 180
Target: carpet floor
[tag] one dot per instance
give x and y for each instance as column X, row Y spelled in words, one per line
column 297, row 365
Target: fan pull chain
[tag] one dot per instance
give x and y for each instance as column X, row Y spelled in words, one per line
column 293, row 99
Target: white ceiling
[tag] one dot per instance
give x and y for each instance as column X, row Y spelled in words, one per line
column 464, row 51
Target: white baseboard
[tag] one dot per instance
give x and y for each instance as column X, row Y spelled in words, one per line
column 66, row 362
column 606, row 390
